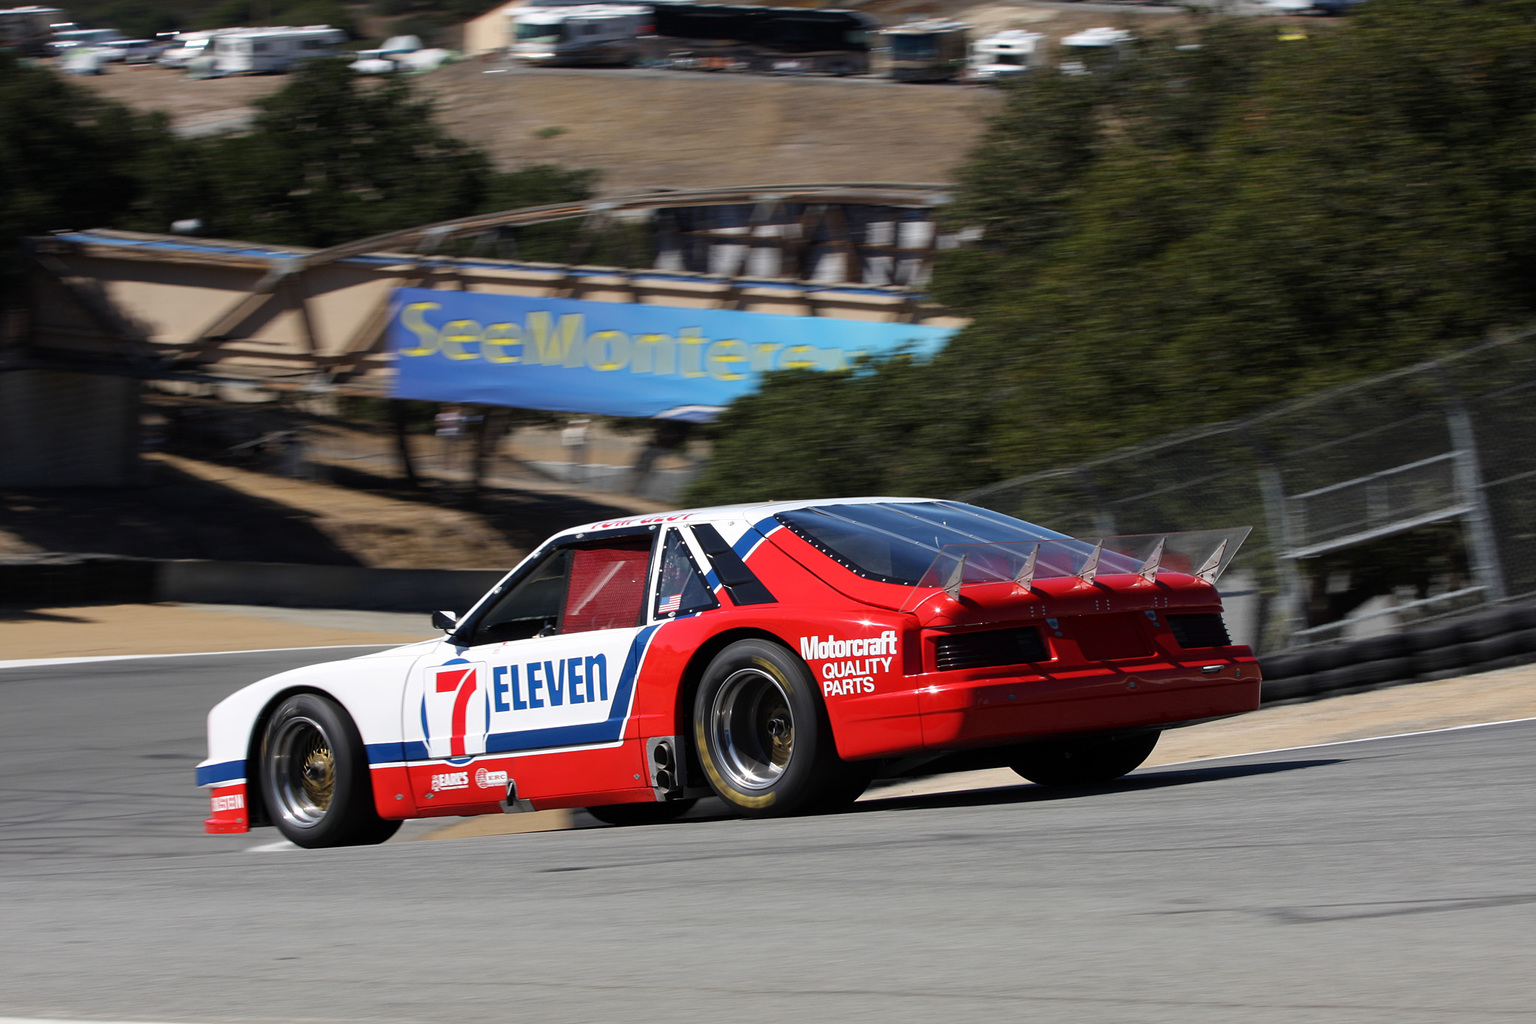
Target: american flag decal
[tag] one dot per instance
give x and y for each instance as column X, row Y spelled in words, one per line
column 671, row 604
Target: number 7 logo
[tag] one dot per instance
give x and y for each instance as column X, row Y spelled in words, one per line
column 465, row 681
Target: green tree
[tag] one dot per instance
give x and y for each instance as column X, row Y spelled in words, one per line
column 1191, row 232
column 67, row 158
column 332, row 159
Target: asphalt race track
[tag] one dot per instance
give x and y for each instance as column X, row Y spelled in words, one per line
column 1387, row 880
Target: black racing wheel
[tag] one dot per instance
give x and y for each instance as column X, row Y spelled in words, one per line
column 314, row 776
column 763, row 738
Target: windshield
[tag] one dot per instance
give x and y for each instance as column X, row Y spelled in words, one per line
column 896, row 542
column 914, row 47
column 538, row 33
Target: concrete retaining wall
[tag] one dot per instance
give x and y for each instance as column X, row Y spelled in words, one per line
column 86, row 579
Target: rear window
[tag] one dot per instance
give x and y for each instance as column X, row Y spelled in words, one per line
column 896, row 542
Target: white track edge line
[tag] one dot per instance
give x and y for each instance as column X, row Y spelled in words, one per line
column 43, row 662
column 1338, row 743
column 61, row 1020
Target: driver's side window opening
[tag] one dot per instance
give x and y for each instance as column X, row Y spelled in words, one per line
column 573, row 590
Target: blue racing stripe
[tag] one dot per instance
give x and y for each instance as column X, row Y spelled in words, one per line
column 754, row 536
column 226, row 771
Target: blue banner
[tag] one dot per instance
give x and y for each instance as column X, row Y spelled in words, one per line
column 614, row 359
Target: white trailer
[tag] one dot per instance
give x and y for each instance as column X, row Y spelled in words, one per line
column 589, row 34
column 188, row 46
column 1006, row 55
column 267, row 50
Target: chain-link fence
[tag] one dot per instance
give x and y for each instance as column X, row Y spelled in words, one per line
column 1375, row 505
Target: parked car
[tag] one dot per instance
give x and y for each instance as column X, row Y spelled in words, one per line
column 133, row 51
column 778, row 656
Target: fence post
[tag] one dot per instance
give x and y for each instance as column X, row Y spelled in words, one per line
column 1482, row 551
column 1272, row 487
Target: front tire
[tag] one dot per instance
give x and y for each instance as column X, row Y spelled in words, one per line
column 1084, row 761
column 314, row 776
column 762, row 735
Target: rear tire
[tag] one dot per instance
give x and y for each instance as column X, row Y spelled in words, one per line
column 763, row 738
column 314, row 776
column 1084, row 761
column 642, row 814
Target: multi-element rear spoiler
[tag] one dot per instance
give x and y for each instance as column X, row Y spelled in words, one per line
column 1202, row 553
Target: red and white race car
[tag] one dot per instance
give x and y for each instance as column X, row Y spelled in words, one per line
column 779, row 656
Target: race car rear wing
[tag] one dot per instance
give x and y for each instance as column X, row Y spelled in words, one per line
column 1201, row 553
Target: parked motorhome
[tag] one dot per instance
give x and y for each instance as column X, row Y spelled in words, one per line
column 188, row 46
column 928, row 51
column 1006, row 55
column 267, row 50
column 28, row 30
column 589, row 34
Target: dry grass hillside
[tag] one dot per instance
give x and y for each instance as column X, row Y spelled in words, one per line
column 680, row 129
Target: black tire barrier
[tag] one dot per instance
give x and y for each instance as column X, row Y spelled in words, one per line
column 1288, row 688
column 1285, row 665
column 1390, row 671
column 1493, row 638
column 1380, row 648
column 1452, row 656
column 1441, row 634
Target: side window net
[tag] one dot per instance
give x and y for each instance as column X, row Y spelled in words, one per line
column 607, row 589
column 680, row 587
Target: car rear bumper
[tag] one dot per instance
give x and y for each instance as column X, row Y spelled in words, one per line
column 989, row 711
column 956, row 710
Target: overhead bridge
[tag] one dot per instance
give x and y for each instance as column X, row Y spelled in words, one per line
column 109, row 308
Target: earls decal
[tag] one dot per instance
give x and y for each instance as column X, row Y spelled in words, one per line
column 450, row 780
column 862, row 659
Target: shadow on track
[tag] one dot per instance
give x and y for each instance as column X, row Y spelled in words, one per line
column 1027, row 792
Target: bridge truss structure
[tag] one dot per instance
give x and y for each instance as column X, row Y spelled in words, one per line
column 279, row 317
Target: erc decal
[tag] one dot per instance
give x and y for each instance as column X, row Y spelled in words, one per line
column 578, row 680
column 490, row 780
column 863, row 658
column 232, row 802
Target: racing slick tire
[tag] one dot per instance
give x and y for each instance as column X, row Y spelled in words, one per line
column 641, row 814
column 1084, row 762
column 314, row 776
column 762, row 735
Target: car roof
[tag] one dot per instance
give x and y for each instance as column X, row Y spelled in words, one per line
column 751, row 511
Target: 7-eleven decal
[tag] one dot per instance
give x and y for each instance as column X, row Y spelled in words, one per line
column 455, row 710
